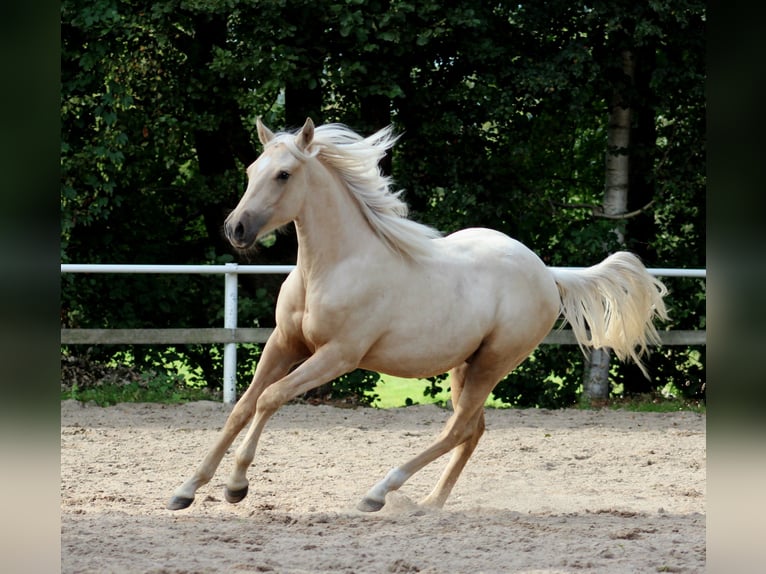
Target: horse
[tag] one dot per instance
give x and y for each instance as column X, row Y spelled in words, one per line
column 373, row 289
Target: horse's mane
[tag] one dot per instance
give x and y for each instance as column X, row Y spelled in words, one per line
column 356, row 160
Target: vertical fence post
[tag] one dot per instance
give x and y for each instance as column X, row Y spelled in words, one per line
column 230, row 322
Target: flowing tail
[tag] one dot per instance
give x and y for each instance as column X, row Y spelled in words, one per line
column 613, row 304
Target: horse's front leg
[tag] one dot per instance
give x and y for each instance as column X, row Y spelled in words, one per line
column 323, row 366
column 276, row 360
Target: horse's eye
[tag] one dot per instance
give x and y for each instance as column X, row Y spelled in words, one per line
column 283, row 176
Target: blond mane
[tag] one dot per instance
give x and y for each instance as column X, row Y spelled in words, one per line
column 356, row 160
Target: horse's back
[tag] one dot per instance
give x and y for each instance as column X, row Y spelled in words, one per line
column 480, row 244
column 494, row 254
column 519, row 279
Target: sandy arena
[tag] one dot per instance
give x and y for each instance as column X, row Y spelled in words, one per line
column 545, row 492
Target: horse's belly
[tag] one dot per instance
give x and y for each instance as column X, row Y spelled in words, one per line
column 427, row 344
column 408, row 362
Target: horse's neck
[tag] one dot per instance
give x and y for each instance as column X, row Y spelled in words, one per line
column 332, row 228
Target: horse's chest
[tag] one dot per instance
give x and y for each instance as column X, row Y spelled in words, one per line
column 328, row 317
column 319, row 321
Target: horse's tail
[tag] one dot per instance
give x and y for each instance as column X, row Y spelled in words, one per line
column 613, row 304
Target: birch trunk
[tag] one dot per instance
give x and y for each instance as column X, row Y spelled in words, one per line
column 617, row 172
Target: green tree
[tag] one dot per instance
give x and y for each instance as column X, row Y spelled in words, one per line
column 503, row 109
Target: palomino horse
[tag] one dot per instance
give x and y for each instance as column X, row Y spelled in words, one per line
column 375, row 290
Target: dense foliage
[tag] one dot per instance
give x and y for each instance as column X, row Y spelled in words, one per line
column 504, row 111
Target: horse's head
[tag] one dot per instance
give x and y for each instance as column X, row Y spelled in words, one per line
column 275, row 187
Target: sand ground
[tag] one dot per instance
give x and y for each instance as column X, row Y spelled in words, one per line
column 545, row 492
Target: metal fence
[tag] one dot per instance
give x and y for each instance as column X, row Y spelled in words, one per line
column 231, row 335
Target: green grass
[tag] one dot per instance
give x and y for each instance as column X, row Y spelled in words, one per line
column 392, row 392
column 152, row 388
column 397, row 392
column 649, row 403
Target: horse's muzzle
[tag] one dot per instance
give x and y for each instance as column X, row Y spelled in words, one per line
column 242, row 230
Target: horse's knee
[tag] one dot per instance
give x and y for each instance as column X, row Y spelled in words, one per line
column 270, row 400
column 241, row 414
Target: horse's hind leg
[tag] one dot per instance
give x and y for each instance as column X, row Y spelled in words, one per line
column 457, row 462
column 462, row 452
column 462, row 426
column 474, row 380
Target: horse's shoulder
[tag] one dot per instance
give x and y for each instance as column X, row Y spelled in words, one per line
column 291, row 301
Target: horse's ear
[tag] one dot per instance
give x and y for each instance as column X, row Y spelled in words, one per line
column 305, row 136
column 264, row 133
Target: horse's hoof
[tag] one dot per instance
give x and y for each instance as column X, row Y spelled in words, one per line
column 234, row 496
column 179, row 502
column 370, row 505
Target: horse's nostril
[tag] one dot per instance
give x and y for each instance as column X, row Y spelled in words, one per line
column 239, row 231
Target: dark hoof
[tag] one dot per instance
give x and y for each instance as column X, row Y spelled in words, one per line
column 179, row 503
column 370, row 505
column 234, row 496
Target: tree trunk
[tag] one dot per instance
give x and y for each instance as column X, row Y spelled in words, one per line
column 616, row 183
column 596, row 383
column 301, row 102
column 218, row 147
column 641, row 230
column 303, row 88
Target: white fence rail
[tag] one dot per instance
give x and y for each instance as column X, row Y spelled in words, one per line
column 231, row 335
